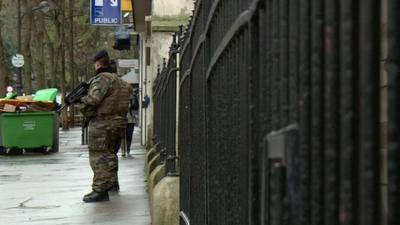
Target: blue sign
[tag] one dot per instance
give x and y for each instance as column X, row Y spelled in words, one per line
column 105, row 12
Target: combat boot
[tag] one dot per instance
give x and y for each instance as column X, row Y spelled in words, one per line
column 114, row 187
column 96, row 197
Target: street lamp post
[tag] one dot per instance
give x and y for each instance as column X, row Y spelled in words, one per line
column 19, row 69
column 44, row 7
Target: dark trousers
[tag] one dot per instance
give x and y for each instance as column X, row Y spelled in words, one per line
column 129, row 133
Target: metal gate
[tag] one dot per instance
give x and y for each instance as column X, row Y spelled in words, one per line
column 279, row 113
column 165, row 106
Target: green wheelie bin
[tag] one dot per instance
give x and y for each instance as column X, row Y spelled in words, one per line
column 29, row 131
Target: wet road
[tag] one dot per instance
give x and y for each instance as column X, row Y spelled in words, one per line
column 39, row 189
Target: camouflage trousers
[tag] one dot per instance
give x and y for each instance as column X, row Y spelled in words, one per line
column 103, row 140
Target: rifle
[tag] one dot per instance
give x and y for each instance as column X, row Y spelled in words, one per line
column 75, row 95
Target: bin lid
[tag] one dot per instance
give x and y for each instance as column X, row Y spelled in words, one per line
column 46, row 95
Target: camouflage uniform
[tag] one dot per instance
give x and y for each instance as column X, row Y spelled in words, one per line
column 107, row 104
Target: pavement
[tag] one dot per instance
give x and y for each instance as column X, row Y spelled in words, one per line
column 39, row 189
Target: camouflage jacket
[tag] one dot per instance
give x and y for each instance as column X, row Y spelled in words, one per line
column 108, row 97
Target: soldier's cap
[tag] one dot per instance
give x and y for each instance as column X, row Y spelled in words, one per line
column 99, row 55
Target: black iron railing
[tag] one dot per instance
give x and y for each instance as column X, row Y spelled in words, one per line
column 165, row 108
column 279, row 113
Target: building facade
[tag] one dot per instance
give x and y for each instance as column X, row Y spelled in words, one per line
column 155, row 21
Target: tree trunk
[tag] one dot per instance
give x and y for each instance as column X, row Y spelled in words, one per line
column 53, row 61
column 64, row 114
column 71, row 55
column 74, row 78
column 41, row 77
column 27, row 21
column 59, row 50
column 3, row 66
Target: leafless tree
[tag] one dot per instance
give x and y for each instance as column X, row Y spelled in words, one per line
column 4, row 72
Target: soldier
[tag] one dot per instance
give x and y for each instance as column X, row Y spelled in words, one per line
column 106, row 104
